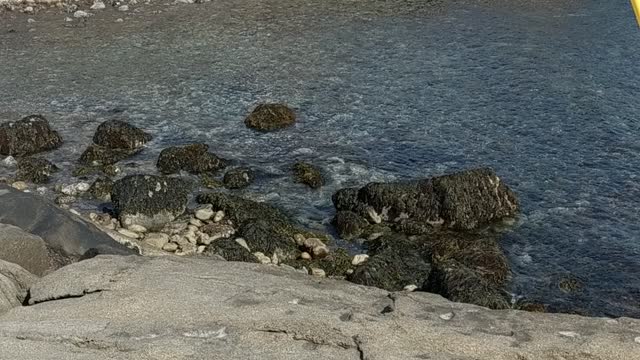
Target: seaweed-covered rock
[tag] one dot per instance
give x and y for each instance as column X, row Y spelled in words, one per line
column 349, row 225
column 101, row 189
column 117, row 134
column 237, row 178
column 208, row 181
column 265, row 228
column 149, row 201
column 27, row 136
column 96, row 155
column 230, row 250
column 336, row 264
column 270, row 117
column 36, row 170
column 460, row 283
column 193, row 158
column 308, row 174
column 110, row 170
column 394, row 262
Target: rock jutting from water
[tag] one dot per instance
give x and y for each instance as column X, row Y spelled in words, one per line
column 114, row 140
column 270, row 117
column 192, row 158
column 28, row 136
column 308, row 174
column 238, row 178
column 35, row 170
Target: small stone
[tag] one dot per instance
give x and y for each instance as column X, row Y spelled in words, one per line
column 201, row 249
column 274, row 259
column 374, row 215
column 320, row 251
column 410, row 288
column 158, row 240
column 68, row 19
column 81, row 14
column 171, row 247
column 571, row 334
column 318, row 272
column 349, row 271
column 41, row 190
column 186, row 249
column 123, row 8
column 75, row 212
column 196, row 222
column 137, row 228
column 98, row 5
column 637, row 340
column 359, row 259
column 75, row 189
column 305, row 256
column 262, row 258
column 119, row 20
column 204, row 213
column 65, row 200
column 20, row 185
column 192, row 228
column 317, row 247
column 299, row 239
column 30, row 20
column 129, row 233
column 218, row 216
column 10, row 162
column 242, row 242
column 28, row 10
column 203, row 238
column 448, row 316
column 192, row 238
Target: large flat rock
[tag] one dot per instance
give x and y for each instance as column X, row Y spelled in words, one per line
column 61, row 230
column 113, row 307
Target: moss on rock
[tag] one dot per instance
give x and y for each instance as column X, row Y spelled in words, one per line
column 192, row 158
column 308, row 174
column 270, row 117
column 36, row 170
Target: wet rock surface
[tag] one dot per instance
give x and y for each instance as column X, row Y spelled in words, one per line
column 113, row 141
column 308, row 174
column 93, row 309
column 270, row 117
column 238, row 178
column 28, row 136
column 35, row 170
column 149, row 201
column 193, row 158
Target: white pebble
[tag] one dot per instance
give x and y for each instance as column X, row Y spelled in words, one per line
column 571, row 334
column 41, row 190
column 204, row 213
column 119, row 20
column 637, row 339
column 305, row 256
column 448, row 316
column 81, row 14
column 30, row 20
column 359, row 259
column 98, row 5
column 9, row 162
column 262, row 258
column 123, row 8
column 242, row 242
column 129, row 233
column 20, row 185
column 219, row 216
column 410, row 288
column 75, row 212
column 171, row 247
column 374, row 215
column 68, row 19
column 137, row 228
column 201, row 249
column 318, row 272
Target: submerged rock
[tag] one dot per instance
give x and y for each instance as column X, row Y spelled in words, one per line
column 117, row 134
column 193, row 158
column 238, row 178
column 349, row 225
column 101, row 189
column 149, row 201
column 27, row 136
column 270, row 117
column 96, row 155
column 308, row 174
column 35, row 170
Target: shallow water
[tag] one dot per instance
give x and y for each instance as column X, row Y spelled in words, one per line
column 548, row 97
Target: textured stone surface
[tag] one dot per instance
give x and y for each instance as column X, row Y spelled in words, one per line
column 114, row 307
column 14, row 284
column 24, row 249
column 27, row 136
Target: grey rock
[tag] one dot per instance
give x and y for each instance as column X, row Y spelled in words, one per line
column 27, row 136
column 14, row 285
column 27, row 250
column 113, row 307
column 193, row 158
column 270, row 117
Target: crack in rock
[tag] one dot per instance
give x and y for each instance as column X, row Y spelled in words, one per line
column 68, row 296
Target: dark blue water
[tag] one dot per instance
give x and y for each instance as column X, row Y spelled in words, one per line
column 547, row 95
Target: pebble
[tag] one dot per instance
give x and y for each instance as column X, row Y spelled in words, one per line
column 170, row 247
column 410, row 288
column 305, row 256
column 374, row 215
column 137, row 228
column 242, row 242
column 10, row 162
column 191, row 237
column 299, row 239
column 158, row 240
column 571, row 334
column 318, row 272
column 28, row 10
column 129, row 233
column 262, row 258
column 218, row 216
column 20, row 185
column 201, row 249
column 204, row 213
column 68, row 19
column 81, row 14
column 30, row 20
column 317, row 247
column 203, row 239
column 274, row 259
column 448, row 316
column 196, row 222
column 41, row 190
column 123, row 8
column 119, row 20
column 74, row 189
column 65, row 200
column 98, row 5
column 192, row 228
column 359, row 259
column 637, row 339
column 75, row 212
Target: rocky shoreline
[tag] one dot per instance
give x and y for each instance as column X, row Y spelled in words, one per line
column 435, row 235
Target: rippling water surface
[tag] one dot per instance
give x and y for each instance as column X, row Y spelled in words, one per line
column 547, row 95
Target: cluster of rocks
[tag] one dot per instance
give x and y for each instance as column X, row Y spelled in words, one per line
column 419, row 235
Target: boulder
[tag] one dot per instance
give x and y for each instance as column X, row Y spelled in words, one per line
column 270, row 117
column 67, row 237
column 349, row 225
column 237, row 178
column 101, row 189
column 35, row 170
column 193, row 158
column 230, row 250
column 149, row 201
column 28, row 136
column 117, row 134
column 14, row 285
column 308, row 174
column 118, row 308
column 100, row 156
column 25, row 249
